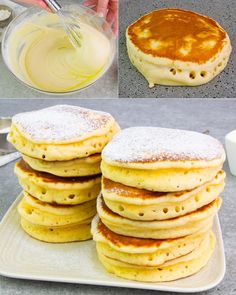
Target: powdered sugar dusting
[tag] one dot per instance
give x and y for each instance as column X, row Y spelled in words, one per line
column 150, row 144
column 61, row 123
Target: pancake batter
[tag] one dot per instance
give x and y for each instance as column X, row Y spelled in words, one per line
column 41, row 54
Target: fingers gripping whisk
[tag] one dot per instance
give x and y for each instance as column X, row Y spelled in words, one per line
column 69, row 23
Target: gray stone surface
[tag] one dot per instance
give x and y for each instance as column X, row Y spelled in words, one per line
column 216, row 116
column 106, row 87
column 133, row 84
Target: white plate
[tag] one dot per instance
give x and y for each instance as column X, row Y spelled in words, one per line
column 25, row 258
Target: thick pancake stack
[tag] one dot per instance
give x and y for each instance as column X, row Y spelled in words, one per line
column 177, row 47
column 160, row 193
column 60, row 169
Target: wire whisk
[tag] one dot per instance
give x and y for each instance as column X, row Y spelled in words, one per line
column 69, row 23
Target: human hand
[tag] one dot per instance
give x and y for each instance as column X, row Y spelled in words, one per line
column 107, row 9
column 39, row 3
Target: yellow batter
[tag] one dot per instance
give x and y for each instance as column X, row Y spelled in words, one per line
column 41, row 54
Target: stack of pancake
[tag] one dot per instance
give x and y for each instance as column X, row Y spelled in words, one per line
column 60, row 169
column 177, row 47
column 160, row 193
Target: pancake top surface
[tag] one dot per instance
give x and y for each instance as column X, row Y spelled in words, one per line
column 50, row 178
column 154, row 144
column 178, row 35
column 62, row 123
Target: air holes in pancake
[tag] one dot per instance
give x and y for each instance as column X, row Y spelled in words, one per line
column 186, row 266
column 51, row 229
column 32, row 149
column 203, row 74
column 44, row 192
column 208, row 189
column 14, row 141
column 192, row 75
column 173, row 71
column 45, row 149
column 165, row 210
column 121, row 208
column 89, row 195
column 167, row 254
column 65, row 171
column 43, row 156
column 220, row 64
column 141, row 214
column 150, row 259
column 186, row 172
column 182, row 208
column 71, row 197
column 196, row 198
column 177, row 209
column 95, row 145
column 160, row 269
column 29, row 211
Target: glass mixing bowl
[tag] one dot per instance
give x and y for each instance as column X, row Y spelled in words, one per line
column 84, row 14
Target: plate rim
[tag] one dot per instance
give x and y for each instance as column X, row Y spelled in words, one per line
column 126, row 284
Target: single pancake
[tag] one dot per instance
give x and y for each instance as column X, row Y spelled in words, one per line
column 40, row 213
column 54, row 189
column 177, row 47
column 161, row 159
column 140, row 204
column 147, row 252
column 161, row 229
column 171, row 270
column 61, row 234
column 73, row 168
column 61, row 132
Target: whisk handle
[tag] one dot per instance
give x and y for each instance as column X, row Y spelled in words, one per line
column 53, row 5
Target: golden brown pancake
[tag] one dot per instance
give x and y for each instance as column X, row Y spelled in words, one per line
column 163, row 37
column 176, row 28
column 47, row 177
column 139, row 204
column 161, row 229
column 54, row 189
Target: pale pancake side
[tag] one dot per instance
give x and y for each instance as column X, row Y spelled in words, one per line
column 160, row 180
column 40, row 213
column 49, row 188
column 142, row 251
column 140, row 204
column 175, row 269
column 73, row 168
column 162, row 229
column 80, row 232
